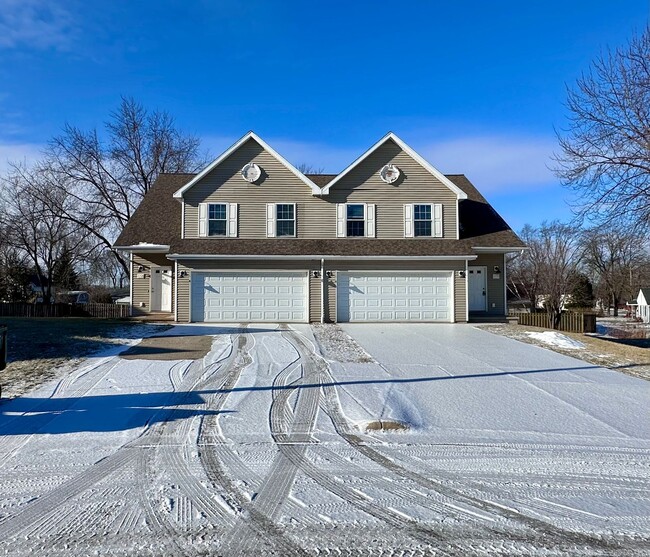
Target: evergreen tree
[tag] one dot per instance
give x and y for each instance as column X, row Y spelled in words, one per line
column 64, row 275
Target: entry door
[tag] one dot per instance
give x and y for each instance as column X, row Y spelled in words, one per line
column 477, row 288
column 161, row 289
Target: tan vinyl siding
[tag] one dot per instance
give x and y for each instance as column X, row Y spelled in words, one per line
column 316, row 216
column 415, row 185
column 277, row 185
column 495, row 287
column 314, row 298
column 141, row 286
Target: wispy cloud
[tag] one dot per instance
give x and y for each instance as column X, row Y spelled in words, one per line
column 18, row 153
column 35, row 24
column 495, row 163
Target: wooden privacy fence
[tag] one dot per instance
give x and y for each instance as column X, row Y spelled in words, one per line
column 570, row 322
column 107, row 311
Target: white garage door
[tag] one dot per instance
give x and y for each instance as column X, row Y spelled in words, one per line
column 379, row 296
column 236, row 296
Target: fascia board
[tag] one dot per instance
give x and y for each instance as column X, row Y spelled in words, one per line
column 199, row 256
column 460, row 194
column 178, row 194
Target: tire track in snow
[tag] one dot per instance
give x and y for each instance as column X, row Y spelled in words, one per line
column 287, row 426
column 267, row 531
column 559, row 536
column 13, row 443
column 296, row 454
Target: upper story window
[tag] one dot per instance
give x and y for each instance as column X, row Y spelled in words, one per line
column 423, row 220
column 286, row 219
column 356, row 220
column 218, row 220
column 280, row 219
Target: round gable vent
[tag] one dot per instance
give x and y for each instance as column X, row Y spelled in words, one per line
column 251, row 172
column 389, row 173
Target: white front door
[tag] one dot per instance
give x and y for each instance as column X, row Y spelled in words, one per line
column 250, row 296
column 161, row 289
column 381, row 296
column 477, row 288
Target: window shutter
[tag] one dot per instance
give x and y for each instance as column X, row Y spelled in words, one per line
column 295, row 220
column 270, row 220
column 370, row 220
column 232, row 219
column 341, row 217
column 436, row 229
column 408, row 220
column 203, row 219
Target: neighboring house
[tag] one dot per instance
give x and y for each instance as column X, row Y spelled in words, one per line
column 643, row 305
column 251, row 239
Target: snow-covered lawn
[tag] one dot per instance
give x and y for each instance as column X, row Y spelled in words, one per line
column 261, row 448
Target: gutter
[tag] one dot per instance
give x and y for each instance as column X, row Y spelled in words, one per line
column 200, row 256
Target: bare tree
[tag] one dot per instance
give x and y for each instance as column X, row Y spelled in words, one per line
column 613, row 255
column 549, row 265
column 523, row 273
column 105, row 179
column 34, row 227
column 605, row 151
column 310, row 169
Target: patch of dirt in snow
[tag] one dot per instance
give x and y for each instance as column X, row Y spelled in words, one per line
column 335, row 344
column 602, row 351
column 170, row 348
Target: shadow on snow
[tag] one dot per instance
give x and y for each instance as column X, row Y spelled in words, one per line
column 98, row 413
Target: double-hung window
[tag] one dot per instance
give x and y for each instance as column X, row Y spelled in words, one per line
column 355, row 220
column 423, row 220
column 217, row 219
column 280, row 219
column 285, row 219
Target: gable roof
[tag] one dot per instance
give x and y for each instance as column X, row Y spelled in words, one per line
column 250, row 135
column 390, row 136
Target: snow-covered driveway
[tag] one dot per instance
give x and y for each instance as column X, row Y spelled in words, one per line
column 261, row 448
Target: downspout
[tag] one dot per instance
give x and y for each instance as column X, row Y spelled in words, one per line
column 505, row 287
column 467, row 291
column 176, row 291
column 322, row 290
column 131, row 283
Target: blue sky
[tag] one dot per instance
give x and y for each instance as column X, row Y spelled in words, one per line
column 476, row 87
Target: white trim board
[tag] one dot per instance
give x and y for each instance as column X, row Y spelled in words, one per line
column 178, row 194
column 460, row 194
column 174, row 256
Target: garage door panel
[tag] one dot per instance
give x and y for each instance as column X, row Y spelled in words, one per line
column 238, row 296
column 417, row 296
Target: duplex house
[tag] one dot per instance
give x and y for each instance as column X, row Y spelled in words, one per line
column 250, row 238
